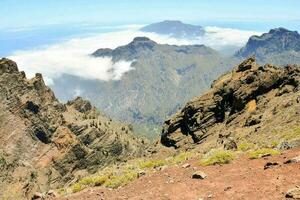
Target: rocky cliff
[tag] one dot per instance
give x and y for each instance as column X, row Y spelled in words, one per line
column 46, row 144
column 252, row 103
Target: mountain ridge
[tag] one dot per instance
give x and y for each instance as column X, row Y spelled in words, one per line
column 150, row 91
column 45, row 144
column 243, row 105
column 278, row 46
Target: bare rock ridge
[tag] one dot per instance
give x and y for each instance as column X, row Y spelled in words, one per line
column 252, row 102
column 46, row 144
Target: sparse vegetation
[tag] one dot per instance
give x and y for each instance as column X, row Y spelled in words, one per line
column 121, row 180
column 77, row 187
column 245, row 146
column 218, row 157
column 293, row 133
column 184, row 156
column 152, row 163
column 122, row 175
column 262, row 152
column 94, row 181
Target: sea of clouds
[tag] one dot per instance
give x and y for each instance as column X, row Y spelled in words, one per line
column 74, row 56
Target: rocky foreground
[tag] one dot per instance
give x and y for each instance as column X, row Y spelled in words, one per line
column 268, row 178
column 45, row 144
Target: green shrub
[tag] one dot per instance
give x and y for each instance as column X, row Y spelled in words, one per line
column 94, row 181
column 77, row 187
column 184, row 156
column 262, row 152
column 245, row 146
column 152, row 164
column 218, row 157
column 121, row 180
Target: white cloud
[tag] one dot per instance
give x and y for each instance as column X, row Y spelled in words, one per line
column 221, row 37
column 73, row 56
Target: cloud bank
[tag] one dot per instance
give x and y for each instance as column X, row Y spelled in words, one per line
column 73, row 56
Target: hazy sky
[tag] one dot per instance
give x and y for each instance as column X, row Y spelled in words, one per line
column 17, row 13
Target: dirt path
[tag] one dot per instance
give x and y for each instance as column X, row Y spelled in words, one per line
column 242, row 179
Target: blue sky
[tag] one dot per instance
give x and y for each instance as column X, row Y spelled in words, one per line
column 19, row 13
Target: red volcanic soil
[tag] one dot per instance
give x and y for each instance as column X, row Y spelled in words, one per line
column 242, row 179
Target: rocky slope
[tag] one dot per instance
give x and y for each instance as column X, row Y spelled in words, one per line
column 164, row 77
column 242, row 179
column 46, row 144
column 254, row 104
column 175, row 29
column 278, row 46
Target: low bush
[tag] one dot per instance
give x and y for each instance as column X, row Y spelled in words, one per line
column 77, row 187
column 218, row 157
column 262, row 152
column 152, row 164
column 245, row 146
column 121, row 180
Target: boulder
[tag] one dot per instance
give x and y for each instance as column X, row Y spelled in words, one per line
column 293, row 193
column 199, row 175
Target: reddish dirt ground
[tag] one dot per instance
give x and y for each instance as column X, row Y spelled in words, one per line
column 242, row 179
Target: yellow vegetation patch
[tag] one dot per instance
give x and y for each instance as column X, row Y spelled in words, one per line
column 121, row 180
column 246, row 146
column 152, row 163
column 77, row 187
column 217, row 157
column 263, row 152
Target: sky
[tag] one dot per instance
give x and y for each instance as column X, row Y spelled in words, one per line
column 56, row 37
column 23, row 13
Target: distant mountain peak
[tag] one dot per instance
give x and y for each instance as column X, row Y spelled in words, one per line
column 175, row 28
column 141, row 39
column 280, row 30
column 276, row 41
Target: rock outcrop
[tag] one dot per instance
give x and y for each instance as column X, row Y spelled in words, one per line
column 45, row 144
column 260, row 104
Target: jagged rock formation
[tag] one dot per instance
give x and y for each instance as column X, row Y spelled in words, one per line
column 45, row 144
column 260, row 104
column 164, row 77
column 279, row 46
column 175, row 29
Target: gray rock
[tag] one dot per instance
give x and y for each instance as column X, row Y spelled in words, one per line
column 293, row 193
column 199, row 175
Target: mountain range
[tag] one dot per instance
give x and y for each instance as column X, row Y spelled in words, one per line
column 164, row 77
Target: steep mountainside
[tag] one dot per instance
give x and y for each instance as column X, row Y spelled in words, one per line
column 252, row 104
column 164, row 77
column 175, row 29
column 279, row 46
column 45, row 144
